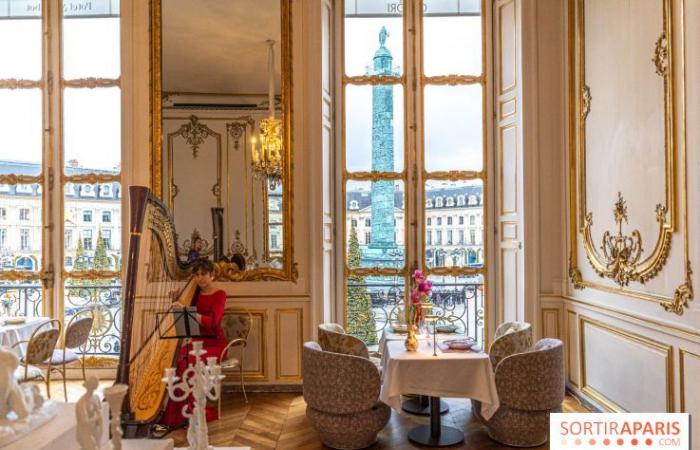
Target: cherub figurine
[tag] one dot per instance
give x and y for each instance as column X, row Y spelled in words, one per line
column 88, row 413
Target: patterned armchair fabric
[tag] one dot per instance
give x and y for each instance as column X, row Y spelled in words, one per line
column 342, row 396
column 530, row 385
column 332, row 338
column 510, row 338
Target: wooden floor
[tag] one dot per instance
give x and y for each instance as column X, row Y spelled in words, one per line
column 278, row 421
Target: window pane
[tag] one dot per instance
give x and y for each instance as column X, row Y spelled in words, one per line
column 20, row 47
column 92, row 227
column 453, row 128
column 454, row 232
column 103, row 299
column 21, row 298
column 20, row 227
column 91, row 47
column 452, row 45
column 373, row 304
column 373, row 45
column 21, row 128
column 459, row 301
column 92, row 129
column 375, row 224
column 374, row 136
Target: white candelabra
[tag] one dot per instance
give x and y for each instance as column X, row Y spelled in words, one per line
column 203, row 382
column 115, row 396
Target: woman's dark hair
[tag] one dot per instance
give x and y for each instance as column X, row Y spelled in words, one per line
column 202, row 264
column 239, row 260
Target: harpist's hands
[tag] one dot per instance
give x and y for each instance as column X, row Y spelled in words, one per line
column 178, row 305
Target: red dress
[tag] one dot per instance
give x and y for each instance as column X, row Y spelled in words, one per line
column 211, row 309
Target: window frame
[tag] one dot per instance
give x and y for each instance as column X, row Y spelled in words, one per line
column 414, row 175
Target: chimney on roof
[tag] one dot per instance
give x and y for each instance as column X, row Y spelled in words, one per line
column 73, row 162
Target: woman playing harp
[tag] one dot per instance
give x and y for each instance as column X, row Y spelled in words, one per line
column 210, row 303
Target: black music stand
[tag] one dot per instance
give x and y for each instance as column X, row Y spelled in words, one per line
column 185, row 324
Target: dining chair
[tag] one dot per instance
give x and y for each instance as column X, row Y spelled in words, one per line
column 510, row 338
column 333, row 338
column 530, row 386
column 76, row 336
column 237, row 329
column 342, row 397
column 40, row 347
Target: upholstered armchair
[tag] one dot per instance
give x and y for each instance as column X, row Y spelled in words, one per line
column 510, row 337
column 342, row 396
column 530, row 386
column 333, row 338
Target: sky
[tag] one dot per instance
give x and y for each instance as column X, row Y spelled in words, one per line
column 92, row 117
column 453, row 114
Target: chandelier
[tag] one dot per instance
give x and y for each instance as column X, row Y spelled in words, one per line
column 267, row 160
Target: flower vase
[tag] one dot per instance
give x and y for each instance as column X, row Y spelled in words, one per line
column 411, row 342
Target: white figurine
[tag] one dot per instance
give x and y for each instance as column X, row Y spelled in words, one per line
column 12, row 397
column 88, row 414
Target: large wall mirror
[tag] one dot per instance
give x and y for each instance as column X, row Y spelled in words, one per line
column 221, row 156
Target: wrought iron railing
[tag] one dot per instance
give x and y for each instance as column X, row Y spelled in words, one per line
column 458, row 304
column 103, row 299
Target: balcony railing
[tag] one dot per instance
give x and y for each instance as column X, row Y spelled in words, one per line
column 104, row 299
column 458, row 304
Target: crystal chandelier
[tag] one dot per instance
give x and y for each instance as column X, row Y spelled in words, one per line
column 267, row 150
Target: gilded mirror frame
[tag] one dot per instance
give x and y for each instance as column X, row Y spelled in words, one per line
column 228, row 271
column 581, row 219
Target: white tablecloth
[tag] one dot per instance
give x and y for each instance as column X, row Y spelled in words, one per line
column 467, row 374
column 11, row 334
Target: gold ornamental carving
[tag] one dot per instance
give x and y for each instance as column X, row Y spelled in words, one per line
column 194, row 133
column 683, row 293
column 453, row 80
column 621, row 257
column 585, row 101
column 660, row 58
column 21, row 179
column 373, row 79
column 91, row 178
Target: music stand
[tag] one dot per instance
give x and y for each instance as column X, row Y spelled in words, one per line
column 184, row 324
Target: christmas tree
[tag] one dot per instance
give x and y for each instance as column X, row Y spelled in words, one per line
column 101, row 258
column 81, row 262
column 360, row 318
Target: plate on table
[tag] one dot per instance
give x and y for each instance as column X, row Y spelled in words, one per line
column 399, row 328
column 460, row 344
column 446, row 328
column 15, row 320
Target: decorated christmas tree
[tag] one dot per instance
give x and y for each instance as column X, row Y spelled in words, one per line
column 360, row 318
column 101, row 259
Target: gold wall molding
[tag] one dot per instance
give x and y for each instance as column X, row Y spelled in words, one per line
column 289, row 270
column 609, row 404
column 580, row 219
column 570, row 345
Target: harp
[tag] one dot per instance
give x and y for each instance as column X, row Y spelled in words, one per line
column 155, row 278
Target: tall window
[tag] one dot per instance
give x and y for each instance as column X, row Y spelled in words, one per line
column 3, row 238
column 60, row 101
column 413, row 102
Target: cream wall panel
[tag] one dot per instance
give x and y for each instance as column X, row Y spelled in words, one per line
column 508, row 46
column 509, row 284
column 509, row 180
column 633, row 357
column 289, row 340
column 689, row 392
column 550, row 323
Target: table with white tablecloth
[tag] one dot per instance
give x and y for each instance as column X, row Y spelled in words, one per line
column 455, row 374
column 11, row 333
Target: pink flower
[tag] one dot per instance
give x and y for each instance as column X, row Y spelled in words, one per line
column 425, row 287
column 418, row 275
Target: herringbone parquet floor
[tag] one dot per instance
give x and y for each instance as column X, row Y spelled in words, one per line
column 278, row 421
